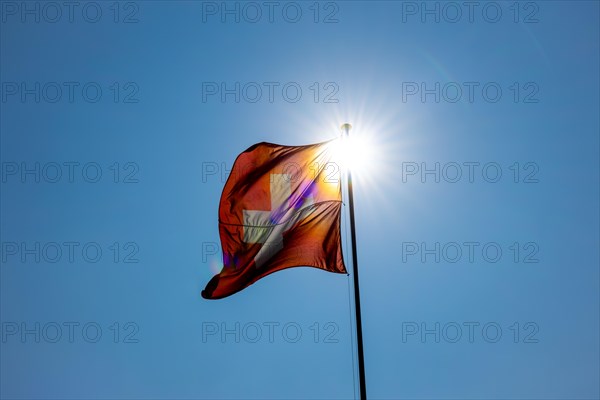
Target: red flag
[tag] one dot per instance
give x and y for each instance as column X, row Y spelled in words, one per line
column 280, row 208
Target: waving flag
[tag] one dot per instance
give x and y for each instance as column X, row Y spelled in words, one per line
column 280, row 208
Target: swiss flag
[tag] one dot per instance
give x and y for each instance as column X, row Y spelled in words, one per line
column 280, row 208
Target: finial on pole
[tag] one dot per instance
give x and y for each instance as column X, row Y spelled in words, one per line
column 346, row 128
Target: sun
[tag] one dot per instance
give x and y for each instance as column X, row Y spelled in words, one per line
column 352, row 152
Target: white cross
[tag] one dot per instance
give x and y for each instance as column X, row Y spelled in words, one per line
column 265, row 227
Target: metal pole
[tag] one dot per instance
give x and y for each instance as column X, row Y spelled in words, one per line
column 361, row 361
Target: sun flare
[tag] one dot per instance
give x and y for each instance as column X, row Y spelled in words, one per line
column 354, row 153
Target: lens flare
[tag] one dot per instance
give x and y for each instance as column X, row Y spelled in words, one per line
column 215, row 266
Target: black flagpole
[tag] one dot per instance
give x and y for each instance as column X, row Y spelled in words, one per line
column 361, row 361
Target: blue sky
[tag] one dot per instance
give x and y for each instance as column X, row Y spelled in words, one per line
column 133, row 164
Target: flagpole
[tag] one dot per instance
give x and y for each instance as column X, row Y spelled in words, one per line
column 361, row 361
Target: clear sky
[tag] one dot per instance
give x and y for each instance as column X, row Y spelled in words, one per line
column 477, row 211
